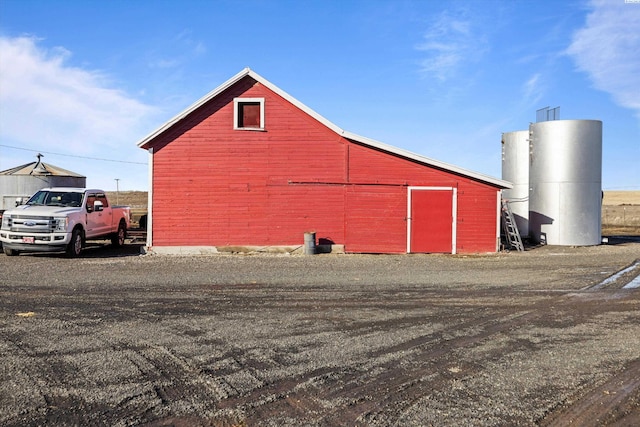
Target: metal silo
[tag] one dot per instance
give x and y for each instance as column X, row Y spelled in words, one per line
column 515, row 169
column 23, row 181
column 565, row 179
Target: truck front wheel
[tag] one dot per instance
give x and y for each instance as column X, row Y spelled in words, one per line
column 10, row 252
column 117, row 239
column 75, row 245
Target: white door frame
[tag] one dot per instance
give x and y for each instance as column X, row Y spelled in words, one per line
column 149, row 242
column 454, row 212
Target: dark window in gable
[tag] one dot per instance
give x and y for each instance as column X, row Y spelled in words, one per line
column 249, row 115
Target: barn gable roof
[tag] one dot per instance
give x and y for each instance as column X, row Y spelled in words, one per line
column 147, row 141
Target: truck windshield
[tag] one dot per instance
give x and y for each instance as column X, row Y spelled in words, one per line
column 56, row 198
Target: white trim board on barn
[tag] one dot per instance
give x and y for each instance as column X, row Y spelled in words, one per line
column 352, row 136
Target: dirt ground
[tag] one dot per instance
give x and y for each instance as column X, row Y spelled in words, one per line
column 546, row 337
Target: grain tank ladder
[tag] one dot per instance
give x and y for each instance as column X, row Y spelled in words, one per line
column 511, row 232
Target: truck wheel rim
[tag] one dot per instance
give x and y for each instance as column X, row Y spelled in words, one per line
column 77, row 244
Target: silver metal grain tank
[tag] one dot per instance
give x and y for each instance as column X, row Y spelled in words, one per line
column 23, row 181
column 515, row 169
column 565, row 179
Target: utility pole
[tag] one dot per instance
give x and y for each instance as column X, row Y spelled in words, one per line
column 117, row 191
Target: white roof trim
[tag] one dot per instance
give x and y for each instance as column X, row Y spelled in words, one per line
column 194, row 107
column 426, row 160
column 357, row 138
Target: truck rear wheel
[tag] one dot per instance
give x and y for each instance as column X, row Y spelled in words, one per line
column 75, row 245
column 117, row 238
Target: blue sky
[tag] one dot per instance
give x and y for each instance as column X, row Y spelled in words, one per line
column 83, row 81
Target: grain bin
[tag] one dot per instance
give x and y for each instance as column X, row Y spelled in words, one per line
column 515, row 168
column 23, row 181
column 565, row 179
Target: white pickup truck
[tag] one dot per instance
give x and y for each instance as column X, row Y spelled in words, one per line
column 63, row 219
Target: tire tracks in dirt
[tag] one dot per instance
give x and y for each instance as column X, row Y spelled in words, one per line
column 390, row 380
column 616, row 402
column 356, row 390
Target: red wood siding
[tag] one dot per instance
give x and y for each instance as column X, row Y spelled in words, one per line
column 216, row 186
column 476, row 202
column 376, row 219
column 477, row 218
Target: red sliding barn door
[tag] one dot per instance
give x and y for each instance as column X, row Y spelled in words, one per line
column 432, row 213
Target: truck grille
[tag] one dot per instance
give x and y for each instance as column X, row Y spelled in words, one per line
column 31, row 224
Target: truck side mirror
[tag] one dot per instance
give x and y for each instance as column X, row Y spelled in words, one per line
column 97, row 206
column 18, row 201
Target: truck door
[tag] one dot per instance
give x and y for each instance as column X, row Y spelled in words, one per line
column 98, row 222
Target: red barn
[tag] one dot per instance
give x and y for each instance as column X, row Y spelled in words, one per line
column 249, row 165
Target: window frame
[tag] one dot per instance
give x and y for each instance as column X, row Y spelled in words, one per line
column 237, row 102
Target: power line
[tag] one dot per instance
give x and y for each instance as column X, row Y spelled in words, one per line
column 71, row 155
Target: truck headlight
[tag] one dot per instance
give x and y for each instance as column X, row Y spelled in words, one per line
column 6, row 222
column 61, row 223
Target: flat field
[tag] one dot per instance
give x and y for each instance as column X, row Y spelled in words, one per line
column 616, row 198
column 137, row 200
column 621, row 213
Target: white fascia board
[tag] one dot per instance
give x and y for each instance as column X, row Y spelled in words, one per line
column 226, row 85
column 295, row 102
column 382, row 146
column 428, row 161
column 195, row 106
column 360, row 139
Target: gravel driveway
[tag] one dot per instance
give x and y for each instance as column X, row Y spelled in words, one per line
column 115, row 338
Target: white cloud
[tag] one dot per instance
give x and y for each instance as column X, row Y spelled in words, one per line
column 607, row 48
column 533, row 90
column 44, row 102
column 181, row 49
column 450, row 43
column 73, row 115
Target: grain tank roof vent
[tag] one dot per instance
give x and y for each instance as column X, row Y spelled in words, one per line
column 547, row 114
column 40, row 168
